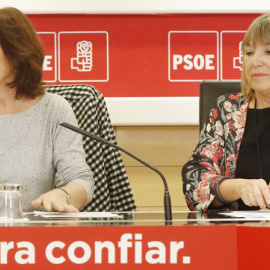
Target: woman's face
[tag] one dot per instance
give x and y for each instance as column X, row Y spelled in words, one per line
column 6, row 72
column 257, row 66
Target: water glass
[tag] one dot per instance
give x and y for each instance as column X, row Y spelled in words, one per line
column 10, row 202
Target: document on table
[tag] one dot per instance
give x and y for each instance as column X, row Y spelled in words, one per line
column 76, row 215
column 251, row 215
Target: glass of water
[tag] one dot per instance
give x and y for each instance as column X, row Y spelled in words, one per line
column 10, row 202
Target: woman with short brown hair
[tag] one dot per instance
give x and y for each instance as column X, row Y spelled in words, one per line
column 35, row 151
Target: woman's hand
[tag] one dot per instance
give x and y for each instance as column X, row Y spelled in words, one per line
column 255, row 193
column 55, row 199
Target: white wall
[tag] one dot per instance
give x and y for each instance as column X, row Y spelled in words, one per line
column 153, row 111
column 139, row 6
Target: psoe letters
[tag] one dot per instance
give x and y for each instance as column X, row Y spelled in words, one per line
column 189, row 62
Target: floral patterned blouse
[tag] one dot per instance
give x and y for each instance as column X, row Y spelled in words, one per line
column 215, row 157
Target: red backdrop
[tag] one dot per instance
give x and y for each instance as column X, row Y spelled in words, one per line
column 142, row 55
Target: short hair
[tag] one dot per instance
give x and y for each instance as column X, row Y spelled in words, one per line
column 23, row 50
column 259, row 31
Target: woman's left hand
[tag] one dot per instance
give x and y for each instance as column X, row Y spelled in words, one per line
column 55, row 199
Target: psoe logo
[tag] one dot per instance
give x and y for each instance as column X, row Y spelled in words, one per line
column 50, row 59
column 83, row 56
column 193, row 55
column 231, row 54
column 83, row 61
column 238, row 61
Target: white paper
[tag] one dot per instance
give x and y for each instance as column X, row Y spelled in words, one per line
column 76, row 215
column 256, row 215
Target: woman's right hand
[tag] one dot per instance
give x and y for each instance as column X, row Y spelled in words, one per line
column 53, row 200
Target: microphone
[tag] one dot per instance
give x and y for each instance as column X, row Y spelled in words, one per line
column 167, row 199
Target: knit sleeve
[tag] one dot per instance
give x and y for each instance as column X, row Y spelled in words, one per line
column 69, row 156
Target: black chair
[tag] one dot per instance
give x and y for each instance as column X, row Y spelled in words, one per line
column 209, row 92
column 112, row 188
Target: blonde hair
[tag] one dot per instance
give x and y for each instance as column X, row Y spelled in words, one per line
column 259, row 31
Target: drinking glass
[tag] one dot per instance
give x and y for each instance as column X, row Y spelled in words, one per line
column 10, row 202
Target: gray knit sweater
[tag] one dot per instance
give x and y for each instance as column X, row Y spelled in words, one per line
column 38, row 153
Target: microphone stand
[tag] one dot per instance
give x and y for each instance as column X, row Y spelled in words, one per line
column 167, row 199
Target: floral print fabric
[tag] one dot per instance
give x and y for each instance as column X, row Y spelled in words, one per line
column 214, row 158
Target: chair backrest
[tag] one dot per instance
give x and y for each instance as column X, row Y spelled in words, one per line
column 112, row 189
column 210, row 91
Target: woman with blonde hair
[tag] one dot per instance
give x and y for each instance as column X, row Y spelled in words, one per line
column 230, row 167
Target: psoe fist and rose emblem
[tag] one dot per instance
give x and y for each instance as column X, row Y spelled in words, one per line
column 83, row 56
column 84, row 59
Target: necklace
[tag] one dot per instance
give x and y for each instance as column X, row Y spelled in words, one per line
column 257, row 140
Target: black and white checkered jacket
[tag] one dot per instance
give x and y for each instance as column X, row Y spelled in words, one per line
column 112, row 189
